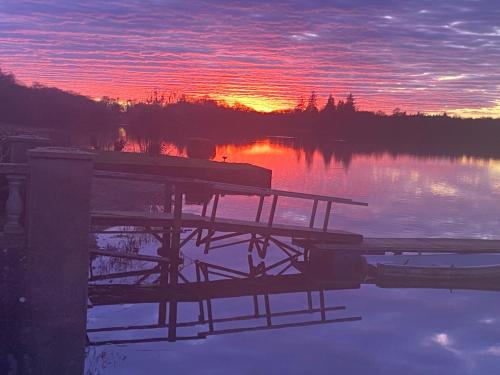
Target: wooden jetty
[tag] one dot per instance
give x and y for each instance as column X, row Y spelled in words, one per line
column 224, row 225
column 176, row 166
column 380, row 246
column 319, row 257
column 171, row 286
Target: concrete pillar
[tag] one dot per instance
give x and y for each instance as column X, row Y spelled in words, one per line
column 58, row 230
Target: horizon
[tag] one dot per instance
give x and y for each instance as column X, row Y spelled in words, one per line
column 175, row 98
column 417, row 56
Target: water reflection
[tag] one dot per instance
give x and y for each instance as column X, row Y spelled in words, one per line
column 411, row 329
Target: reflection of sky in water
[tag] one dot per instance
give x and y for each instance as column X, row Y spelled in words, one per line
column 402, row 331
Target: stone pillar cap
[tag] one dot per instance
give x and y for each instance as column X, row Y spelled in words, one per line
column 61, row 153
column 28, row 138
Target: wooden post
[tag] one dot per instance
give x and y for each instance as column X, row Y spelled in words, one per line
column 257, row 220
column 58, row 231
column 309, row 300
column 165, row 250
column 251, row 272
column 210, row 317
column 201, row 315
column 269, row 224
column 313, row 214
column 174, row 263
column 327, row 216
column 322, row 304
column 268, row 310
column 200, row 230
column 212, row 219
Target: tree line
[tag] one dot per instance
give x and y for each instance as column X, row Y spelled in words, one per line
column 177, row 117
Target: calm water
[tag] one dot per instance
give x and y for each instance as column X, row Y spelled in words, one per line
column 411, row 331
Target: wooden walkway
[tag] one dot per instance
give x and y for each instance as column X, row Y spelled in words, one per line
column 225, row 225
column 378, row 246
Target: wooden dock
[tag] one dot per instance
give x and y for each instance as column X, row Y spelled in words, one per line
column 319, row 257
column 380, row 246
column 224, row 225
column 181, row 167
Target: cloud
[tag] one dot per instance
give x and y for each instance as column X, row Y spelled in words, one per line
column 379, row 50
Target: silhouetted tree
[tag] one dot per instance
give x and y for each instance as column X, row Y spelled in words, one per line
column 330, row 105
column 396, row 112
column 341, row 106
column 41, row 106
column 301, row 105
column 312, row 103
column 350, row 105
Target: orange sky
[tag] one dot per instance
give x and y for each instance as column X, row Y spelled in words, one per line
column 422, row 56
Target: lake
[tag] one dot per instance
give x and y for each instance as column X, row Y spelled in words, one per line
column 410, row 331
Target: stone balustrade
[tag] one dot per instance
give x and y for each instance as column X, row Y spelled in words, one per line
column 15, row 171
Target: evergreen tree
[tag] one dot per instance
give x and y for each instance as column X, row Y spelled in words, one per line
column 301, row 105
column 340, row 106
column 330, row 105
column 312, row 104
column 350, row 105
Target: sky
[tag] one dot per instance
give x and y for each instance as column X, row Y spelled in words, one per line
column 427, row 56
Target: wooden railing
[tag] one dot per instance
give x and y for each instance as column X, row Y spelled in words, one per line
column 178, row 186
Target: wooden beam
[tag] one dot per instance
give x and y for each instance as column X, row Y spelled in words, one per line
column 115, row 254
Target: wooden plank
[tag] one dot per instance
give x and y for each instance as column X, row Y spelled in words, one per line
column 181, row 167
column 284, row 230
column 119, row 275
column 141, row 218
column 115, row 254
column 224, row 188
column 223, row 225
column 411, row 245
column 313, row 213
column 230, row 188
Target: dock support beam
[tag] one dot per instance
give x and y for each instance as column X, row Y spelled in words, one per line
column 58, row 230
column 174, row 264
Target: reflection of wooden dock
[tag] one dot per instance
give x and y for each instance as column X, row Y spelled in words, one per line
column 378, row 246
column 330, row 259
column 475, row 278
column 172, row 285
column 223, row 288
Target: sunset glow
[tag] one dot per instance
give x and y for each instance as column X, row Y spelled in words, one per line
column 418, row 56
column 258, row 103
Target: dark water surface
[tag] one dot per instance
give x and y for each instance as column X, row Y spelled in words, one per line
column 401, row 331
